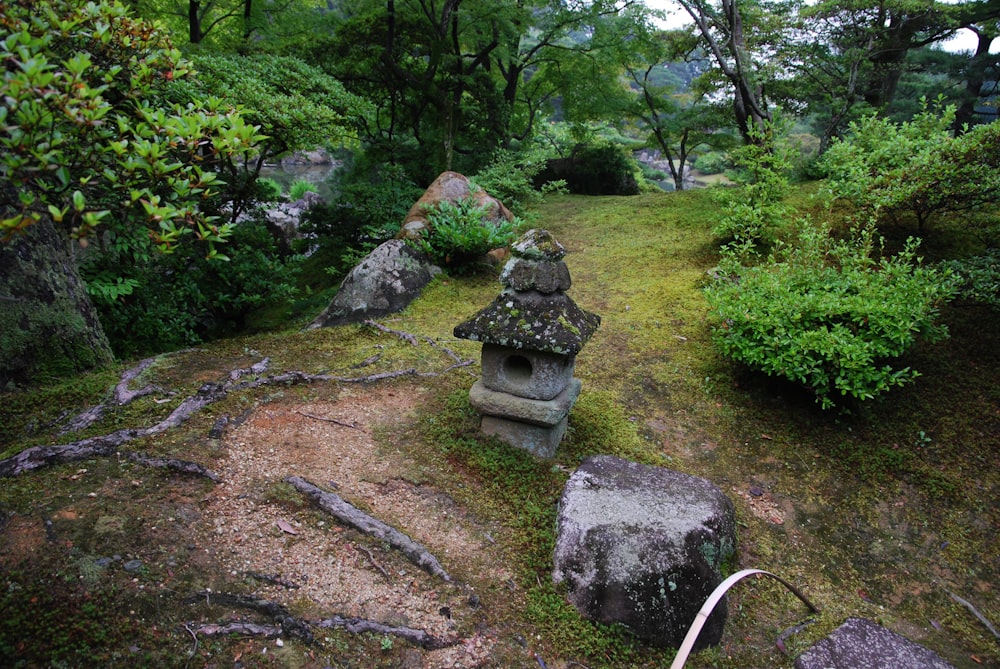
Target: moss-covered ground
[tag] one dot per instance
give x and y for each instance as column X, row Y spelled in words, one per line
column 881, row 512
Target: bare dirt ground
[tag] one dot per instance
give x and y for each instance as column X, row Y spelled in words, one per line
column 338, row 570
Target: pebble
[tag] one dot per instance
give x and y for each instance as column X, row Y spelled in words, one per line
column 132, row 565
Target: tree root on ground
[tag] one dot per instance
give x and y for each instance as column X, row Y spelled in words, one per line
column 37, row 457
column 361, row 521
column 288, row 625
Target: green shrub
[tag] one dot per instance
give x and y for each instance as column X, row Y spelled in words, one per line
column 916, row 169
column 713, row 162
column 368, row 208
column 754, row 208
column 268, row 190
column 979, row 277
column 150, row 302
column 602, row 169
column 823, row 313
column 509, row 179
column 460, row 233
column 299, row 188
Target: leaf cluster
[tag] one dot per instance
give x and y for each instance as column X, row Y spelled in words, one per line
column 461, row 232
column 826, row 314
column 916, row 168
column 88, row 136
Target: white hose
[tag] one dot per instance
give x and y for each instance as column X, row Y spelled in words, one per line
column 713, row 600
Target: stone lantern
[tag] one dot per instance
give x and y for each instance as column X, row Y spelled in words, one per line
column 531, row 334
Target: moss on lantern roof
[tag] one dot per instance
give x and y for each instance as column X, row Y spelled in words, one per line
column 532, row 321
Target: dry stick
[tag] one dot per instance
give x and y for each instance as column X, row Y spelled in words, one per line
column 290, row 625
column 249, row 629
column 405, row 336
column 122, row 396
column 329, row 420
column 371, row 558
column 358, row 519
column 976, row 613
column 183, row 466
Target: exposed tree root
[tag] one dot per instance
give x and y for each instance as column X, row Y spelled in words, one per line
column 361, row 625
column 290, row 626
column 121, row 395
column 361, row 521
column 106, row 445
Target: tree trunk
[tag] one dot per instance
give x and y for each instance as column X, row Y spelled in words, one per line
column 194, row 21
column 48, row 326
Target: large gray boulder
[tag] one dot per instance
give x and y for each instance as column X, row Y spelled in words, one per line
column 644, row 546
column 862, row 644
column 384, row 282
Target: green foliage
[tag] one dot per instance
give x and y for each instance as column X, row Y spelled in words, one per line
column 299, row 188
column 87, row 136
column 368, row 209
column 460, row 233
column 509, row 178
column 269, row 190
column 916, row 168
column 149, row 302
column 595, row 169
column 979, row 277
column 754, row 208
column 824, row 314
column 712, row 162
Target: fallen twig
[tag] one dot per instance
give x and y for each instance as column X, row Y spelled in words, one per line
column 361, row 625
column 983, row 619
column 358, row 519
column 273, row 578
column 248, row 629
column 405, row 336
column 329, row 420
column 183, row 466
column 371, row 558
column 290, row 625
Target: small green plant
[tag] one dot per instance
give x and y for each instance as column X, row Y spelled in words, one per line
column 268, row 190
column 461, row 232
column 823, row 313
column 754, row 209
column 299, row 188
column 980, row 277
column 917, row 169
column 386, row 643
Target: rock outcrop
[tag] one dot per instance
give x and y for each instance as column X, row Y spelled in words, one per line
column 384, row 282
column 644, row 547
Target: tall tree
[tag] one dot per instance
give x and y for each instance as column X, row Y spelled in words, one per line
column 742, row 37
column 857, row 52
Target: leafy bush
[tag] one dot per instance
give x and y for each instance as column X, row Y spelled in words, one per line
column 754, row 207
column 150, row 302
column 460, row 233
column 299, row 188
column 509, row 178
column 368, row 209
column 602, row 169
column 916, row 168
column 979, row 277
column 713, row 162
column 268, row 190
column 825, row 314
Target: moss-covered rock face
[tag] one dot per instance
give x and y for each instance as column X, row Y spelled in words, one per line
column 533, row 312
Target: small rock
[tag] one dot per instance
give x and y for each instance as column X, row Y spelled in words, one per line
column 756, row 490
column 132, row 565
